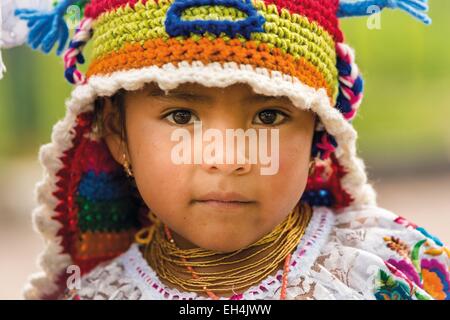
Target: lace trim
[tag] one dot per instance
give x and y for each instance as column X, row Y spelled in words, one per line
column 302, row 259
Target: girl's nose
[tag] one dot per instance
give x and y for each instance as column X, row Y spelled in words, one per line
column 233, row 154
column 230, row 163
column 229, row 169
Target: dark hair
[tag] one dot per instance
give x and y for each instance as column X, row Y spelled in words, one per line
column 116, row 120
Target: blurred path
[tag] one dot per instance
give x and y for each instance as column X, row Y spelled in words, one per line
column 423, row 199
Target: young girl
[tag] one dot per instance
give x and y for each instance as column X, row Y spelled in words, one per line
column 119, row 208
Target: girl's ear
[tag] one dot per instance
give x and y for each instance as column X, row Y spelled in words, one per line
column 112, row 131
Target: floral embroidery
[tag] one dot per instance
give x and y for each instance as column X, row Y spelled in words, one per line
column 406, row 223
column 428, row 274
column 391, row 289
column 407, row 268
column 398, row 246
column 435, row 279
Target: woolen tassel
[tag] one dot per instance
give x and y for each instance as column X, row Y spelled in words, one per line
column 74, row 53
column 416, row 8
column 47, row 28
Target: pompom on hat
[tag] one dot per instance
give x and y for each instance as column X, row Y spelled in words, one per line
column 88, row 209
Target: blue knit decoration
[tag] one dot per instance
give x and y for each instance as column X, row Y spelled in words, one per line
column 318, row 198
column 416, row 8
column 103, row 186
column 47, row 28
column 175, row 26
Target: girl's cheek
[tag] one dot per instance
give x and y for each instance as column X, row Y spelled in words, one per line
column 290, row 176
column 154, row 152
column 293, row 165
column 294, row 156
column 147, row 138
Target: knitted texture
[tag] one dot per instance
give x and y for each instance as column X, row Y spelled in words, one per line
column 95, row 206
column 297, row 38
column 322, row 12
column 292, row 34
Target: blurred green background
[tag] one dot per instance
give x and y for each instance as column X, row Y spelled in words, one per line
column 405, row 117
column 403, row 121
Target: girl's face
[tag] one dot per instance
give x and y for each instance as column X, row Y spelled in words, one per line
column 222, row 207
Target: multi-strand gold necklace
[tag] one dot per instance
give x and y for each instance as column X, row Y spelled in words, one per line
column 186, row 267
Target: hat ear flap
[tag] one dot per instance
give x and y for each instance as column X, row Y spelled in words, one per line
column 348, row 101
column 416, row 8
column 329, row 192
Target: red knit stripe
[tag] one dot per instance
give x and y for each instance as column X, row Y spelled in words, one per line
column 321, row 11
column 324, row 12
column 97, row 7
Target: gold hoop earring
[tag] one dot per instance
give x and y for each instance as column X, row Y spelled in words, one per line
column 127, row 166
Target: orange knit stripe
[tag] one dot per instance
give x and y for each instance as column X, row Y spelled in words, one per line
column 159, row 52
column 98, row 244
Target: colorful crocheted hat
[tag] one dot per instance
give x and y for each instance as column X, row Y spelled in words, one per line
column 88, row 210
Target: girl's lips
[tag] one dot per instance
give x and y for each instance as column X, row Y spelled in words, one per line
column 224, row 204
column 223, row 197
column 224, row 200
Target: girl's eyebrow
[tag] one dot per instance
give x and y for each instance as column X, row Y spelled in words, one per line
column 260, row 98
column 183, row 95
column 179, row 95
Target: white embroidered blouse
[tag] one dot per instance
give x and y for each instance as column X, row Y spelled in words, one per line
column 365, row 253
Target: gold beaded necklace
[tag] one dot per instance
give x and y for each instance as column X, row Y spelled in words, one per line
column 177, row 265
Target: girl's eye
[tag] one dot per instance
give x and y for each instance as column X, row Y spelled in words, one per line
column 181, row 117
column 270, row 117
